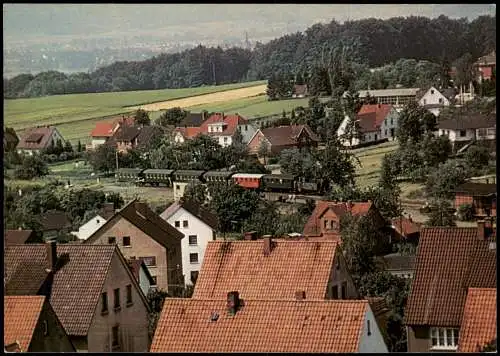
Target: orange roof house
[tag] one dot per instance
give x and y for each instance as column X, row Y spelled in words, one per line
column 372, row 116
column 479, row 324
column 249, row 325
column 30, row 325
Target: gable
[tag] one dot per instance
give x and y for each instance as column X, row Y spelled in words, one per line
column 184, row 214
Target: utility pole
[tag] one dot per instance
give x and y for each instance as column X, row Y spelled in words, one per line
column 116, row 158
column 213, row 70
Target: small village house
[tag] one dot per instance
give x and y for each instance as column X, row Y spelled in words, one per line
column 373, row 123
column 450, row 261
column 435, row 100
column 274, row 269
column 199, row 226
column 95, row 223
column 54, row 223
column 103, row 130
column 280, row 138
column 399, row 265
column 223, row 127
column 482, row 197
column 131, row 137
column 90, row 288
column 485, row 66
column 141, row 233
column 464, row 129
column 404, row 229
column 300, row 91
column 35, row 140
column 239, row 324
column 194, row 119
column 31, row 325
column 181, row 134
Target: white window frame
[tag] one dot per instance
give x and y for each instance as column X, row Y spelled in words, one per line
column 434, row 335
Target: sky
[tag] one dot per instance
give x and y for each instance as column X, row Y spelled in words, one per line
column 51, row 22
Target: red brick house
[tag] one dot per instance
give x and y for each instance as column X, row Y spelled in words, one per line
column 283, row 137
column 450, row 261
column 479, row 325
column 482, row 197
column 91, row 290
column 31, row 325
column 274, row 270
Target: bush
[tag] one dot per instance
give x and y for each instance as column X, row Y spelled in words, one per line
column 33, row 166
column 466, row 212
column 63, row 156
column 273, row 160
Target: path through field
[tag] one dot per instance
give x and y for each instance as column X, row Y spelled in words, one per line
column 227, row 95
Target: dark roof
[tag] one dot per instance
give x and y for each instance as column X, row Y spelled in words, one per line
column 194, row 209
column 142, row 217
column 74, row 289
column 18, row 237
column 449, row 261
column 126, row 133
column 107, row 211
column 54, row 220
column 397, row 262
column 405, row 226
column 287, row 135
column 477, row 188
column 148, row 134
column 473, row 121
column 36, row 138
column 192, row 119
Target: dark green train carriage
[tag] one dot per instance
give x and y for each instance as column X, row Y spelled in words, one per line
column 157, row 176
column 278, row 183
column 129, row 174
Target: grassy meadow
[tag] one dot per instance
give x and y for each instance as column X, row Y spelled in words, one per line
column 368, row 173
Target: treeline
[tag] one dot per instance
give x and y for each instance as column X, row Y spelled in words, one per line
column 374, row 42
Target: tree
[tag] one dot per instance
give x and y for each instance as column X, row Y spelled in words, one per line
column 31, row 167
column 442, row 182
column 172, row 116
column 390, row 170
column 336, row 165
column 59, row 147
column 103, row 159
column 477, row 157
column 141, row 117
column 79, row 147
column 263, row 150
column 435, row 150
column 410, row 124
column 196, row 192
column 263, row 220
column 441, row 213
column 68, row 147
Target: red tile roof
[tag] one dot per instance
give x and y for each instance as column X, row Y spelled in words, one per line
column 186, row 325
column 231, row 121
column 35, row 138
column 371, row 116
column 405, row 226
column 21, row 314
column 312, row 227
column 242, row 266
column 188, row 132
column 479, row 325
column 287, row 135
column 103, row 129
column 449, row 261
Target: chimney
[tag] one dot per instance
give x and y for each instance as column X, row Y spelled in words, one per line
column 480, row 230
column 203, row 116
column 222, row 115
column 300, row 295
column 267, row 244
column 250, row 235
column 233, row 302
column 51, row 255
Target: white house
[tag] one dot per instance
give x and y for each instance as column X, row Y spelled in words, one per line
column 464, row 129
column 89, row 227
column 434, row 100
column 398, row 96
column 375, row 122
column 199, row 226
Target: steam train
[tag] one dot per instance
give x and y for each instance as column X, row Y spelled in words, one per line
column 284, row 183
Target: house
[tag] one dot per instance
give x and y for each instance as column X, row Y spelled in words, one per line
column 397, row 97
column 300, row 91
column 435, row 100
column 399, row 265
column 95, row 223
column 36, row 139
column 91, row 290
column 450, row 260
column 103, row 131
column 194, row 119
column 31, row 325
column 382, row 313
column 482, row 197
column 374, row 122
column 199, row 226
column 241, row 324
column 141, row 233
column 479, row 323
column 181, row 134
column 54, row 222
column 405, row 229
column 326, row 216
column 486, row 66
column 142, row 275
column 131, row 137
column 19, row 237
column 10, row 139
column 274, row 269
column 280, row 138
column 223, row 128
column 465, row 129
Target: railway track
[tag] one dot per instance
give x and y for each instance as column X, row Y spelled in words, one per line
column 290, row 198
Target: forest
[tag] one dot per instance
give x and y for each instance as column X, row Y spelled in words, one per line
column 373, row 43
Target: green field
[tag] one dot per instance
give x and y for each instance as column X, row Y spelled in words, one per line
column 76, row 114
column 371, row 161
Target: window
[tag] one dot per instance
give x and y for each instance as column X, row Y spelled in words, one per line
column 117, row 298
column 193, row 258
column 149, row 261
column 178, row 187
column 126, row 240
column 111, row 240
column 335, row 292
column 491, row 132
column 368, row 329
column 154, row 280
column 344, row 290
column 193, row 240
column 432, row 91
column 425, row 102
column 246, row 127
column 115, row 333
column 444, row 338
column 129, row 294
column 225, row 139
column 386, row 132
column 45, row 328
column 194, row 276
column 375, row 137
column 440, row 100
column 177, row 224
column 481, row 132
column 462, row 133
column 104, row 302
column 185, row 223
column 333, row 224
column 392, row 121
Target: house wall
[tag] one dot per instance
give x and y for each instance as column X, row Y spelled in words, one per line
column 56, row 339
column 204, row 234
column 455, row 135
column 390, row 122
column 178, row 138
column 144, row 282
column 97, row 141
column 80, row 343
column 247, row 131
column 224, row 141
column 141, row 245
column 132, row 319
column 372, row 342
column 341, row 132
column 338, row 275
column 91, row 226
column 418, row 339
column 179, row 188
column 254, row 143
column 433, row 97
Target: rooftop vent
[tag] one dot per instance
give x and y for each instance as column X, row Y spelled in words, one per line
column 300, row 295
column 214, row 316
